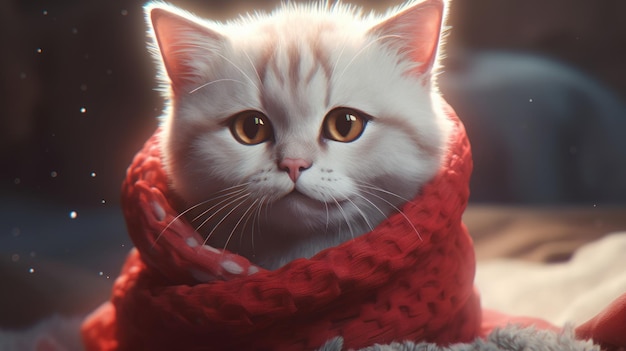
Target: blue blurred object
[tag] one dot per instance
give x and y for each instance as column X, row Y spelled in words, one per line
column 541, row 132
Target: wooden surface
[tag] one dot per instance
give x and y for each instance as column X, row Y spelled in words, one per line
column 543, row 234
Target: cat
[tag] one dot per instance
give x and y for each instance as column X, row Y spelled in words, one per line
column 291, row 132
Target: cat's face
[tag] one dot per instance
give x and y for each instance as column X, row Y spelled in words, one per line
column 299, row 130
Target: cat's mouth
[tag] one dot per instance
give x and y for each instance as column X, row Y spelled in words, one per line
column 300, row 198
column 297, row 195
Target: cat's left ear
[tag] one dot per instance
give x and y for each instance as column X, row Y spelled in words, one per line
column 415, row 32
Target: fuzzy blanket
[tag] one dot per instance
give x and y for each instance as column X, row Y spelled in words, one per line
column 508, row 338
column 62, row 334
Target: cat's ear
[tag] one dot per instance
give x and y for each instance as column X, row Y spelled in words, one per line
column 182, row 43
column 415, row 32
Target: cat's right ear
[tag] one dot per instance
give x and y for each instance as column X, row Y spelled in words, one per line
column 181, row 42
column 415, row 32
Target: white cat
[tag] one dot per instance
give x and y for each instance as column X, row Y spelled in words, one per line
column 292, row 132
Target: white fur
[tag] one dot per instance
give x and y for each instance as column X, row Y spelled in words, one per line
column 266, row 221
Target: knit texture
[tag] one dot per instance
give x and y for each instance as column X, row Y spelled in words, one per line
column 390, row 284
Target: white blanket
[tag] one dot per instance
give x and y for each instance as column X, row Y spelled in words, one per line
column 570, row 292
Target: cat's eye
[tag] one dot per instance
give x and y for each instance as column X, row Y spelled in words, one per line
column 251, row 127
column 344, row 125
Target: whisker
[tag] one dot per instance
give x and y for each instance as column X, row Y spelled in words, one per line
column 343, row 48
column 228, row 197
column 268, row 209
column 198, row 205
column 361, row 213
column 245, row 224
column 239, row 69
column 239, row 222
column 229, row 61
column 215, row 81
column 223, row 218
column 397, row 210
column 374, row 187
column 363, row 50
column 343, row 213
column 257, row 217
column 327, row 217
column 252, row 65
column 371, row 203
column 218, row 211
column 255, row 220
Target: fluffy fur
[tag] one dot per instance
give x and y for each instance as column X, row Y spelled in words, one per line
column 293, row 67
column 508, row 338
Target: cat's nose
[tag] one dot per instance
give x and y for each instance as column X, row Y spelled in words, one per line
column 294, row 166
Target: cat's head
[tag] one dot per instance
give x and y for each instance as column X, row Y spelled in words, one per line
column 313, row 120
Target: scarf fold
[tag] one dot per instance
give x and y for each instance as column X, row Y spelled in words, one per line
column 390, row 284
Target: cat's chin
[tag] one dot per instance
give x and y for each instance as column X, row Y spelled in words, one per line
column 298, row 201
column 300, row 214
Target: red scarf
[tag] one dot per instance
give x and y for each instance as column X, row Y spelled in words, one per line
column 389, row 284
column 386, row 285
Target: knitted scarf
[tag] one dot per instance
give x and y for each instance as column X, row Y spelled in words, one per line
column 389, row 284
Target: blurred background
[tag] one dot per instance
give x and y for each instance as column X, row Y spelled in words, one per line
column 540, row 86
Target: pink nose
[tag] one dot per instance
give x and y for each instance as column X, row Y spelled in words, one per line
column 294, row 166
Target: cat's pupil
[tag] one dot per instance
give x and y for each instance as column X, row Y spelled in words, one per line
column 345, row 124
column 252, row 125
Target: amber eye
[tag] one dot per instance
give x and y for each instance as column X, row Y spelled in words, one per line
column 344, row 125
column 251, row 127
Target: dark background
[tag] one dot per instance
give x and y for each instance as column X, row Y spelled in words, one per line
column 58, row 57
column 61, row 56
